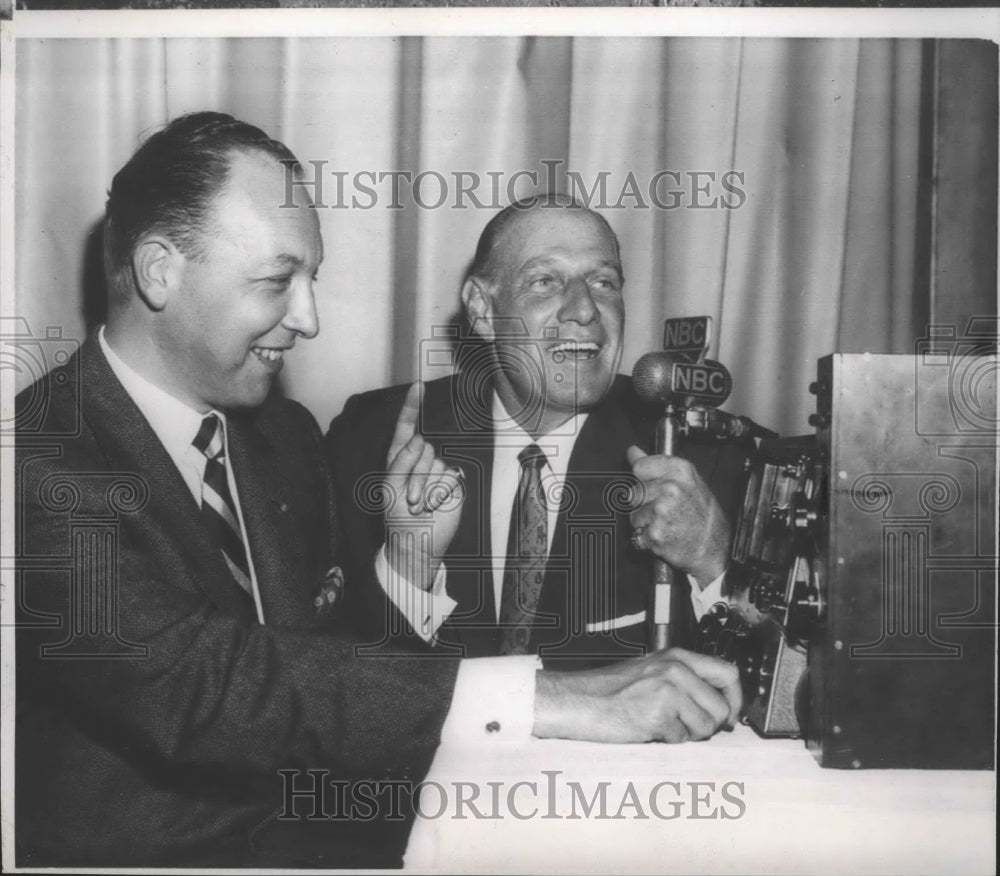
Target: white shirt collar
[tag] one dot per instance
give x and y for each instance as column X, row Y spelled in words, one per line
column 558, row 445
column 174, row 423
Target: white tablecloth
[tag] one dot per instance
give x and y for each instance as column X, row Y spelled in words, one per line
column 742, row 805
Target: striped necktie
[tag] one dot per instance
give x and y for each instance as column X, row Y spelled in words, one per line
column 527, row 553
column 218, row 510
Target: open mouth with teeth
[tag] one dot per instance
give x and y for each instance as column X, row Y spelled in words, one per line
column 268, row 354
column 578, row 350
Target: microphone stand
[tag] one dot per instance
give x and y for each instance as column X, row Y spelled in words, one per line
column 663, row 574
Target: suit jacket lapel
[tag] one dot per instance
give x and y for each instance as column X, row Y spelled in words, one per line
column 267, row 514
column 464, row 438
column 576, row 583
column 130, row 444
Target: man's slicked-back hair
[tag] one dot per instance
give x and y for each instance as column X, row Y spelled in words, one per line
column 168, row 186
column 484, row 263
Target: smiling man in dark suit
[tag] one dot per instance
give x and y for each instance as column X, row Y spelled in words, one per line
column 182, row 644
column 544, row 298
column 189, row 660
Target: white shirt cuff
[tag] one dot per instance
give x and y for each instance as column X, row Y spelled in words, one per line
column 703, row 600
column 494, row 701
column 424, row 611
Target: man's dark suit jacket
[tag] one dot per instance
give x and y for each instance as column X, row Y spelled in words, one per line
column 154, row 736
column 593, row 576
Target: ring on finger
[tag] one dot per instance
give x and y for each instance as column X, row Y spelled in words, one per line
column 637, row 541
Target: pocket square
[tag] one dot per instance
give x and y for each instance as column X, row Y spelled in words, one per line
column 616, row 623
column 331, row 589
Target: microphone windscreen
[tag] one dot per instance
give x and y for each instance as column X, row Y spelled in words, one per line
column 652, row 378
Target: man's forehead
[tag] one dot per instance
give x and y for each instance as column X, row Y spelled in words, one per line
column 261, row 178
column 252, row 202
column 542, row 230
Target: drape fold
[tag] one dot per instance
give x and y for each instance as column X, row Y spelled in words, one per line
column 788, row 173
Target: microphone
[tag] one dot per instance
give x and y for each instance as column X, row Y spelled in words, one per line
column 652, row 378
column 668, row 379
column 688, row 387
column 674, row 381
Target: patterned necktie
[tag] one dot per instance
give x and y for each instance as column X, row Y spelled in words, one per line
column 527, row 551
column 218, row 510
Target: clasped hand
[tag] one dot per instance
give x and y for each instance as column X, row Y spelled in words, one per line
column 677, row 516
column 667, row 696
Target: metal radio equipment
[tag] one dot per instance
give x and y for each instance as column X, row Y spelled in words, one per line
column 861, row 604
column 775, row 591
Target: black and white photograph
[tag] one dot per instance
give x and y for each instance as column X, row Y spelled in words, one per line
column 473, row 443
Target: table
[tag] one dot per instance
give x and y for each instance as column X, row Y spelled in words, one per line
column 734, row 804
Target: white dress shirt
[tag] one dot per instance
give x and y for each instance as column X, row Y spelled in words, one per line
column 494, row 697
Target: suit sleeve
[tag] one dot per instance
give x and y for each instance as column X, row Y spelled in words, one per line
column 202, row 686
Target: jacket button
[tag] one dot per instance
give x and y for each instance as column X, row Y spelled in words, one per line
column 493, row 727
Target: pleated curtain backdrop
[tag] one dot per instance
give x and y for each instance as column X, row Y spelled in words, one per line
column 817, row 253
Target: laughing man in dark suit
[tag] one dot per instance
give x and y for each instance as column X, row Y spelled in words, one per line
column 544, row 299
column 181, row 642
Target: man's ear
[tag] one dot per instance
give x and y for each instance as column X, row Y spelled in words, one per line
column 157, row 265
column 478, row 303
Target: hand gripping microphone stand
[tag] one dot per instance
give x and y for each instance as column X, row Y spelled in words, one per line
column 651, row 378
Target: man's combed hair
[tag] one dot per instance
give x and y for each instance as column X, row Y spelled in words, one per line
column 484, row 262
column 168, row 186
